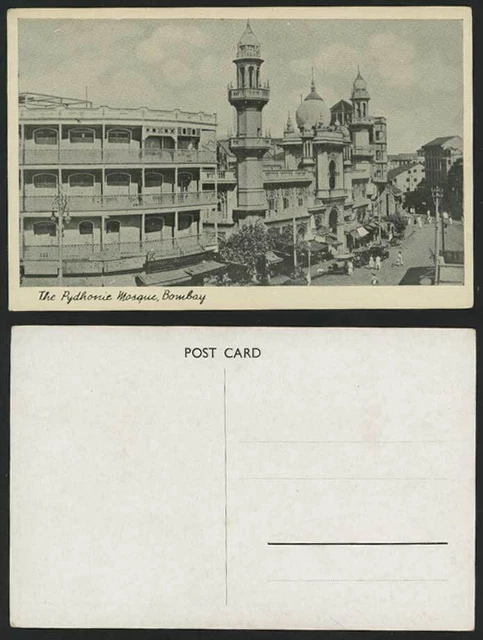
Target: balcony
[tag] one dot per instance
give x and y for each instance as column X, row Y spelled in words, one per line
column 219, row 176
column 114, row 156
column 331, row 194
column 260, row 144
column 240, row 95
column 39, row 204
column 364, row 152
column 170, row 247
column 362, row 120
column 287, row 175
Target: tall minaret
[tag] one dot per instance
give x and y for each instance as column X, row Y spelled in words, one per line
column 249, row 98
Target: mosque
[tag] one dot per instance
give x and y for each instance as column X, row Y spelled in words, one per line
column 327, row 175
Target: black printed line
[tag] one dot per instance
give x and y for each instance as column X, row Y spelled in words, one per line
column 358, row 544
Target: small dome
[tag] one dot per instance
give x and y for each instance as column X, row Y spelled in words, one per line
column 359, row 87
column 312, row 111
column 248, row 43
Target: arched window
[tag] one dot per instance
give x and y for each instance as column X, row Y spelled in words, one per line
column 257, row 78
column 86, row 228
column 153, row 179
column 286, row 202
column 153, row 224
column 184, row 180
column 81, row 135
column 81, row 180
column 45, row 229
column 119, row 136
column 332, row 174
column 45, row 181
column 250, row 77
column 45, row 136
column 242, row 76
column 185, row 221
column 118, row 179
column 113, row 226
column 333, row 216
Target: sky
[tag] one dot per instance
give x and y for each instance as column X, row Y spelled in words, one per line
column 413, row 68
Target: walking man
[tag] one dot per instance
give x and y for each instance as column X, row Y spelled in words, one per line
column 378, row 263
column 399, row 261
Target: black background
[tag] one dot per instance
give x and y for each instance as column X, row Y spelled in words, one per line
column 469, row 318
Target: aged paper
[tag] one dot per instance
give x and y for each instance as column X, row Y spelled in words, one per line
column 242, row 478
column 240, row 158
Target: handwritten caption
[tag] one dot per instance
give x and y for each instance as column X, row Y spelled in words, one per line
column 70, row 298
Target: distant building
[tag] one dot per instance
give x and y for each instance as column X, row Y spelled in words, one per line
column 398, row 160
column 439, row 156
column 407, row 177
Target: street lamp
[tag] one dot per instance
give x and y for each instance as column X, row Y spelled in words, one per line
column 60, row 215
column 437, row 194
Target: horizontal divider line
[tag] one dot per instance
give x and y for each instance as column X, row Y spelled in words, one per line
column 368, row 580
column 356, row 544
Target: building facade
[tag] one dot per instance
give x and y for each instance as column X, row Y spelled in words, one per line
column 331, row 176
column 440, row 155
column 103, row 187
column 407, row 177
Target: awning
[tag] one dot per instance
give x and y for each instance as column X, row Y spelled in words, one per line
column 316, row 246
column 40, row 268
column 205, row 267
column 358, row 233
column 272, row 257
column 162, row 278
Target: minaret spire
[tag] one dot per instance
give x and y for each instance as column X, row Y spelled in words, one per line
column 312, row 86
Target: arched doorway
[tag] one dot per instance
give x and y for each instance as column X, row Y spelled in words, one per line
column 333, row 217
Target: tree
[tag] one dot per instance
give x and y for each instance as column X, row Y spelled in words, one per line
column 420, row 199
column 453, row 192
column 246, row 246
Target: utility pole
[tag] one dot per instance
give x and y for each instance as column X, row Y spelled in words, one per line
column 60, row 214
column 294, row 233
column 436, row 193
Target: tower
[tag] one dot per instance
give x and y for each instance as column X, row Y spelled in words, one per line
column 360, row 97
column 249, row 98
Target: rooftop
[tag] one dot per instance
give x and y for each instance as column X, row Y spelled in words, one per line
column 439, row 142
column 393, row 173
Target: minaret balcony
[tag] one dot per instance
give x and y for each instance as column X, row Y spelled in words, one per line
column 255, row 144
column 246, row 94
column 367, row 151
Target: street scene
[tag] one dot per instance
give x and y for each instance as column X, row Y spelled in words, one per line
column 333, row 171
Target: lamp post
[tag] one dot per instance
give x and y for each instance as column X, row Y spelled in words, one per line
column 60, row 214
column 437, row 193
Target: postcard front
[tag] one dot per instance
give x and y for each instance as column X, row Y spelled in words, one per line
column 235, row 158
column 242, row 478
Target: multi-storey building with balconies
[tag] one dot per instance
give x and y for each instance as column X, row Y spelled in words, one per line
column 104, row 187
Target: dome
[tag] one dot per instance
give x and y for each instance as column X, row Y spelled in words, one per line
column 359, row 87
column 312, row 111
column 248, row 42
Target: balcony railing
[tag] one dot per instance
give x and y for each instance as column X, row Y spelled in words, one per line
column 250, row 143
column 289, row 175
column 249, row 94
column 327, row 194
column 367, row 150
column 170, row 247
column 114, row 156
column 220, row 176
column 120, row 202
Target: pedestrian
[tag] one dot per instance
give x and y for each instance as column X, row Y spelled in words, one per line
column 399, row 261
column 378, row 263
column 420, row 223
column 350, row 268
column 372, row 264
column 450, row 219
column 374, row 280
column 428, row 216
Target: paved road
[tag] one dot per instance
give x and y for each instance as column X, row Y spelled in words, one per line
column 416, row 249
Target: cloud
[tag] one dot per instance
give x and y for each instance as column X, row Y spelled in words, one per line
column 393, row 58
column 176, row 72
column 167, row 38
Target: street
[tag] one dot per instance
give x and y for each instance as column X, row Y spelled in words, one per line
column 417, row 250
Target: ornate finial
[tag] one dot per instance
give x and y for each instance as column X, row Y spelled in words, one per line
column 248, row 23
column 312, row 86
